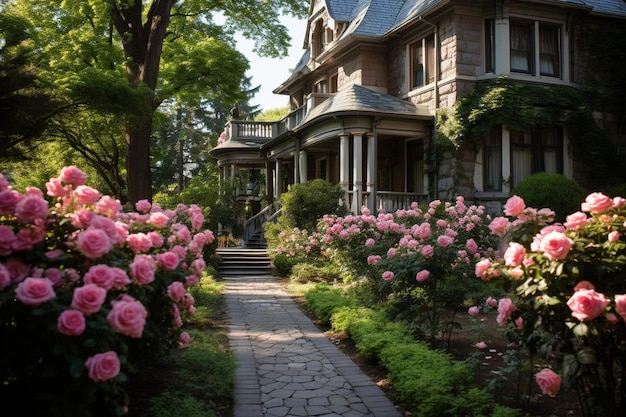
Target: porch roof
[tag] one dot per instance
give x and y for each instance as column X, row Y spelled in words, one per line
column 359, row 99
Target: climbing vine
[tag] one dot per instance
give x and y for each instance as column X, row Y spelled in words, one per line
column 526, row 106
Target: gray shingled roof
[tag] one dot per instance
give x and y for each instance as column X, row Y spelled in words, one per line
column 361, row 99
column 609, row 7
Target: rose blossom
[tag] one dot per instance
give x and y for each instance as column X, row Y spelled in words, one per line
column 373, row 259
column 422, row 275
column 167, row 260
column 587, row 304
column 499, row 225
column 100, row 275
column 86, row 195
column 176, row 291
column 388, row 275
column 35, row 291
column 514, row 254
column 30, row 209
column 7, row 237
column 8, row 201
column 555, row 245
column 5, row 277
column 88, row 298
column 576, row 220
column 597, row 203
column 73, row 175
column 103, row 366
column 613, row 236
column 473, row 311
column 505, row 308
column 71, row 323
column 492, row 301
column 620, row 305
column 143, row 206
column 481, row 345
column 94, row 243
column 584, row 285
column 142, row 268
column 139, row 242
column 549, row 381
column 514, row 206
column 128, row 316
column 184, row 339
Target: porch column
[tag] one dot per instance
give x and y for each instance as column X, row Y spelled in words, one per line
column 344, row 160
column 278, row 179
column 303, row 167
column 233, row 171
column 357, row 173
column 269, row 182
column 372, row 171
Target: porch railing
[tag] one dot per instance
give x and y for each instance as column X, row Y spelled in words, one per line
column 255, row 223
column 391, row 201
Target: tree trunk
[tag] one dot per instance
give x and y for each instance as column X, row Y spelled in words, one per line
column 138, row 160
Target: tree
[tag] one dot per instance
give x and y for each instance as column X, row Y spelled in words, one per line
column 168, row 48
column 26, row 106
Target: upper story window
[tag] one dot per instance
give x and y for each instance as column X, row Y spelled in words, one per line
column 318, row 39
column 535, row 48
column 422, row 61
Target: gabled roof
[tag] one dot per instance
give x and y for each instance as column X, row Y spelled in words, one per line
column 359, row 99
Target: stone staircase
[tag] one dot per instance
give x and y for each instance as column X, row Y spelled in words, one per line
column 243, row 261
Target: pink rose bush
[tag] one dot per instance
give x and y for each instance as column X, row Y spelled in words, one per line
column 423, row 257
column 90, row 292
column 567, row 295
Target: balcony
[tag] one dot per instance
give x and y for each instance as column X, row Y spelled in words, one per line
column 261, row 132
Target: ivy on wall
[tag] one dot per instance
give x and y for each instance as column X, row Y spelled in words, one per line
column 526, row 106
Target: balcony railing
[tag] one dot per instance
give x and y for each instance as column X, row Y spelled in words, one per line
column 391, row 201
column 247, row 130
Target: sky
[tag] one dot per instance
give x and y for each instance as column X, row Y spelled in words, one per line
column 269, row 73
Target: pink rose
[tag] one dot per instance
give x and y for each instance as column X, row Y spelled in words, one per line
column 72, row 175
column 373, row 259
column 176, row 291
column 143, row 206
column 576, row 220
column 88, row 298
column 388, row 275
column 597, row 203
column 7, row 237
column 555, row 245
column 71, row 323
column 549, row 381
column 481, row 269
column 158, row 219
column 427, row 251
column 198, row 266
column 514, row 254
column 505, row 308
column 5, row 277
column 108, row 206
column 492, row 302
column 514, row 206
column 18, row 270
column 473, row 311
column 8, row 201
column 184, row 339
column 55, row 188
column 481, row 345
column 422, row 275
column 444, row 241
column 30, row 209
column 86, row 195
column 620, row 305
column 94, row 243
column 139, row 242
column 167, row 260
column 120, row 278
column 103, row 366
column 613, row 236
column 35, row 291
column 584, row 285
column 499, row 226
column 587, row 304
column 143, row 268
column 128, row 316
column 100, row 275
column 369, row 242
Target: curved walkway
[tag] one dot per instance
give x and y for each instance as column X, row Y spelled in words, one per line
column 286, row 365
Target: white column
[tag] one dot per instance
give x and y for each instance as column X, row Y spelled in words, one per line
column 357, row 173
column 303, row 166
column 278, row 179
column 372, row 162
column 344, row 160
column 503, row 43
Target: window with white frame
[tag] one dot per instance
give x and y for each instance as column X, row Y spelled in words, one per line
column 422, row 61
column 526, row 37
column 535, row 48
column 540, row 150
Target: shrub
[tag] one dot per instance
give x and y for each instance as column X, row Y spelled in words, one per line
column 304, row 272
column 308, row 202
column 323, row 300
column 558, row 192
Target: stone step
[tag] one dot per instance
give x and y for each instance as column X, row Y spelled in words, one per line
column 243, row 261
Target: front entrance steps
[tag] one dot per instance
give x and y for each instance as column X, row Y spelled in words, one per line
column 243, row 262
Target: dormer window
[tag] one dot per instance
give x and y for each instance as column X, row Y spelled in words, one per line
column 318, row 39
column 528, row 37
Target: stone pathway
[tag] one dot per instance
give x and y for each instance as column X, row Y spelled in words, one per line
column 286, row 366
